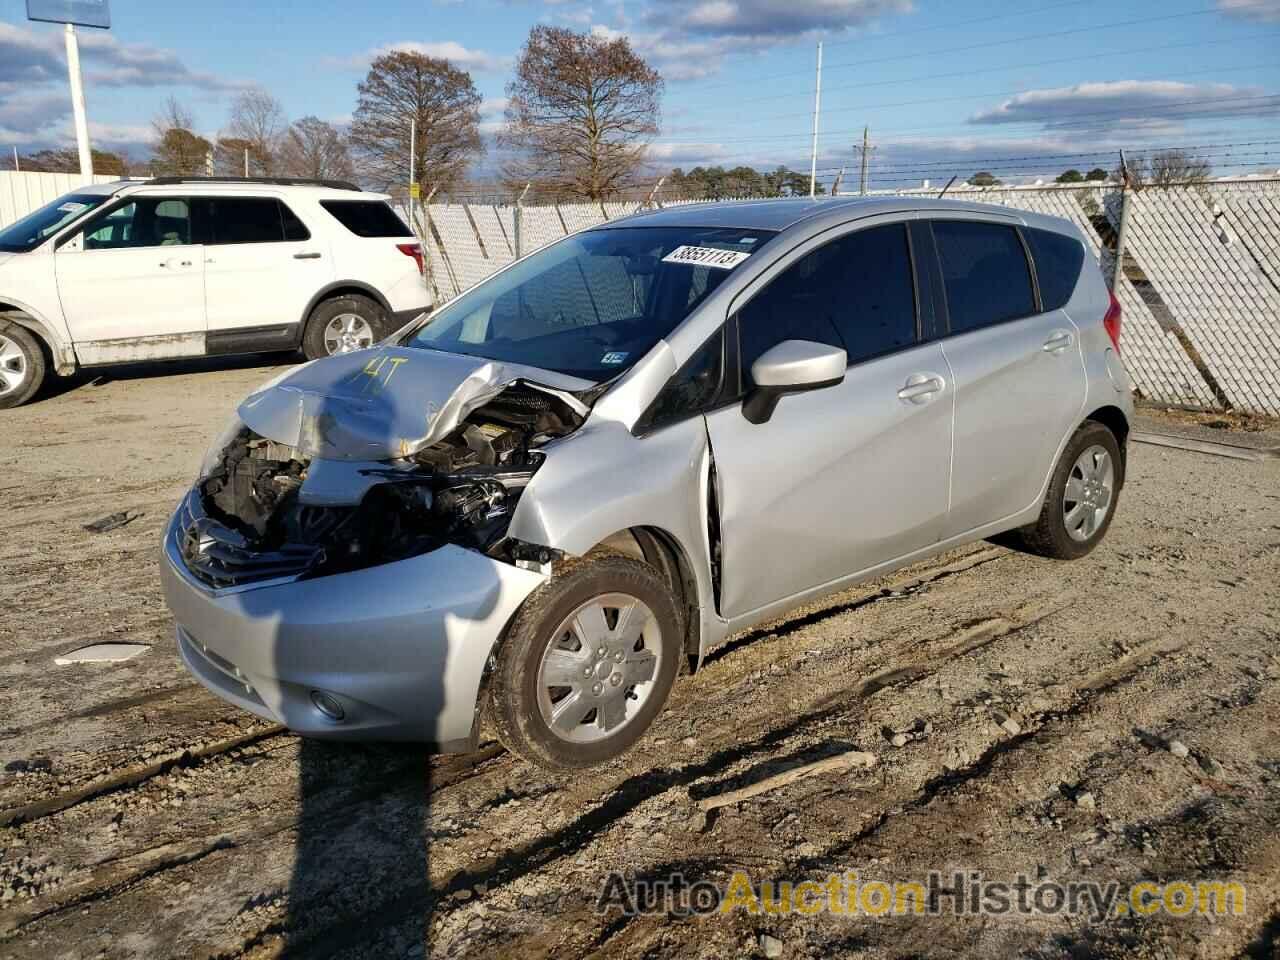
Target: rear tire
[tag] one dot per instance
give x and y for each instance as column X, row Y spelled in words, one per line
column 22, row 364
column 1082, row 496
column 615, row 679
column 342, row 325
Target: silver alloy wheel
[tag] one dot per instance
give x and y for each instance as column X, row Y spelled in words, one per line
column 600, row 668
column 347, row 332
column 13, row 366
column 1090, row 487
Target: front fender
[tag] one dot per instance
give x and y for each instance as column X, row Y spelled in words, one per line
column 603, row 480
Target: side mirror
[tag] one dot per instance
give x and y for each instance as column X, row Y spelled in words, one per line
column 792, row 366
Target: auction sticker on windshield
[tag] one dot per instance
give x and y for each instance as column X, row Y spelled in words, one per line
column 706, row 257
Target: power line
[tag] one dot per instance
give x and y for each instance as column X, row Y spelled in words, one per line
column 1095, row 55
column 991, row 43
column 930, row 100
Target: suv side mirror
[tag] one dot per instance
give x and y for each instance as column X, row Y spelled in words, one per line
column 792, row 366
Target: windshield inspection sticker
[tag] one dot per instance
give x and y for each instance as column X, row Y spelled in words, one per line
column 613, row 359
column 706, row 257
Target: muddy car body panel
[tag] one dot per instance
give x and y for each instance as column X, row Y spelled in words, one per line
column 428, row 482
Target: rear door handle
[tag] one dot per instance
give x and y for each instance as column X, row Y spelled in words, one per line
column 920, row 388
column 1058, row 341
column 306, row 256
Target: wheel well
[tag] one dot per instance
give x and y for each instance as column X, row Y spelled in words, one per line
column 13, row 313
column 1113, row 419
column 344, row 289
column 663, row 552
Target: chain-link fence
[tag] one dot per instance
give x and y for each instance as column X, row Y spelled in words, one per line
column 1200, row 286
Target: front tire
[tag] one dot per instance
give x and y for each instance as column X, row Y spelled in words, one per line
column 1082, row 496
column 342, row 325
column 586, row 664
column 22, row 365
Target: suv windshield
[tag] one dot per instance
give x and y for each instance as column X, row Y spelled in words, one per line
column 591, row 305
column 33, row 229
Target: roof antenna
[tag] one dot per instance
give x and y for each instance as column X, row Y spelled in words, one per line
column 947, row 187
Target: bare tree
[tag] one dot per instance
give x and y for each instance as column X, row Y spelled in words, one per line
column 178, row 150
column 313, row 148
column 580, row 112
column 405, row 90
column 258, row 119
column 1165, row 167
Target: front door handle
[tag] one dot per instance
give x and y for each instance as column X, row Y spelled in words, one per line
column 306, row 256
column 175, row 262
column 920, row 388
column 1058, row 341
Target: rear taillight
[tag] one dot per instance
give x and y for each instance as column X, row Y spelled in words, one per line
column 415, row 250
column 1112, row 321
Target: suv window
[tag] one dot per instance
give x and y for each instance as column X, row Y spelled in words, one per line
column 144, row 222
column 856, row 292
column 1058, row 260
column 248, row 220
column 367, row 218
column 985, row 273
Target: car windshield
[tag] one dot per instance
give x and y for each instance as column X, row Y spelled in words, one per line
column 593, row 304
column 33, row 229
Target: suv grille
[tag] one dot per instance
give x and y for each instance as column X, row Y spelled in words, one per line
column 221, row 557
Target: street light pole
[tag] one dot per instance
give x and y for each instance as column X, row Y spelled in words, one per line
column 77, row 102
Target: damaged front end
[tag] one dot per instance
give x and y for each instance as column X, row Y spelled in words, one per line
column 265, row 509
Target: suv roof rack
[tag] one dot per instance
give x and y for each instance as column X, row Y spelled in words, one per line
column 277, row 181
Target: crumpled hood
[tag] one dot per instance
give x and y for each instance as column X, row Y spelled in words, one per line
column 387, row 402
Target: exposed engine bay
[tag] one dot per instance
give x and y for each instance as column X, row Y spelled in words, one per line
column 462, row 489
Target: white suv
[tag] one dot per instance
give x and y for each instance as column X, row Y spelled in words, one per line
column 182, row 267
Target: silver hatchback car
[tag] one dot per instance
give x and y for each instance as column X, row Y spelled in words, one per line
column 538, row 505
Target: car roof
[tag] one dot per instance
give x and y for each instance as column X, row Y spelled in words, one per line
column 783, row 213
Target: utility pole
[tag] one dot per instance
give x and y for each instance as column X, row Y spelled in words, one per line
column 246, row 162
column 866, row 159
column 77, row 101
column 817, row 109
column 413, row 161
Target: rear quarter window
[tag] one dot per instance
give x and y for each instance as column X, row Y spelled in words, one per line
column 1059, row 259
column 367, row 218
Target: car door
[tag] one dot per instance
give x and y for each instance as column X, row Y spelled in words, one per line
column 1019, row 374
column 262, row 266
column 841, row 479
column 131, row 283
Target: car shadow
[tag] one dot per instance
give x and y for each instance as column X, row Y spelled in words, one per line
column 56, row 386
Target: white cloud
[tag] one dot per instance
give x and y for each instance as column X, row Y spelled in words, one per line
column 1266, row 11
column 38, row 56
column 689, row 40
column 1146, row 106
column 460, row 56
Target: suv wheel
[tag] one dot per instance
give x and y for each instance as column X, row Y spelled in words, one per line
column 1082, row 496
column 342, row 325
column 22, row 365
column 587, row 664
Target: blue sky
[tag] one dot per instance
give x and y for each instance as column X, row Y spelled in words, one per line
column 944, row 86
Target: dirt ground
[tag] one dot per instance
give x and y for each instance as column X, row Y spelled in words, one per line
column 1035, row 704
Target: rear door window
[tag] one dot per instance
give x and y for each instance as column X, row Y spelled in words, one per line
column 242, row 220
column 1058, row 260
column 367, row 218
column 985, row 273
